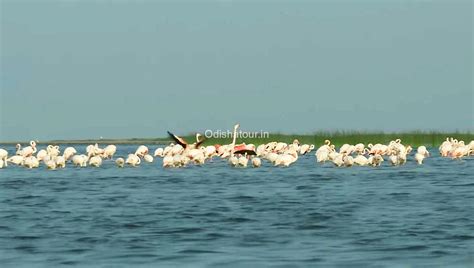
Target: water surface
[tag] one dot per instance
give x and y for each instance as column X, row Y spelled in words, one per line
column 216, row 216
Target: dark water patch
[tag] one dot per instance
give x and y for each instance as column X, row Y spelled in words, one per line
column 237, row 220
column 311, row 227
column 26, row 237
column 198, row 251
column 26, row 248
column 461, row 237
column 403, row 248
column 189, row 230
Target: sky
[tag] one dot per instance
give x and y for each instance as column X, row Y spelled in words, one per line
column 119, row 69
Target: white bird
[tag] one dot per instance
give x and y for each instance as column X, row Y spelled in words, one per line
column 359, row 148
column 322, row 156
column 348, row 160
column 272, row 157
column 168, row 161
column 419, row 158
column 422, row 150
column 31, row 162
column 29, row 150
column 60, row 162
column 18, row 149
column 120, row 162
column 69, row 152
column 261, row 150
column 375, row 160
column 199, row 159
column 361, row 160
column 51, row 164
column 346, row 149
column 393, row 157
column 286, row 159
column 16, row 159
column 53, row 151
column 210, row 151
column 306, row 148
column 256, row 162
column 243, row 161
column 93, row 150
column 133, row 160
column 79, row 160
column 148, row 158
column 109, row 151
column 4, row 156
column 158, row 152
column 233, row 161
column 95, row 161
column 338, row 160
column 41, row 154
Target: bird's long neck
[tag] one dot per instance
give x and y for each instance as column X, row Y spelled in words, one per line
column 234, row 138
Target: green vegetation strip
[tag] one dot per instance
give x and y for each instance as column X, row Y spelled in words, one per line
column 415, row 138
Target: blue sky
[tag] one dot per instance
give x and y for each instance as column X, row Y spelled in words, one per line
column 85, row 69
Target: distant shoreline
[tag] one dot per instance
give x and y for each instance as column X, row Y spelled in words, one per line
column 414, row 138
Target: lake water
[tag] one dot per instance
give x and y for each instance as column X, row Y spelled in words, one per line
column 218, row 216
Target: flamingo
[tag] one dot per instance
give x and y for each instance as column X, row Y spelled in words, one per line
column 51, row 164
column 18, row 149
column 168, row 161
column 256, row 162
column 233, row 161
column 359, row 148
column 338, row 160
column 346, row 149
column 158, row 152
column 120, row 162
column 80, row 160
column 141, row 151
column 361, row 160
column 16, row 159
column 60, row 162
column 53, row 151
column 69, row 152
column 31, row 162
column 109, row 151
column 95, row 161
column 419, row 158
column 41, row 154
column 272, row 157
column 148, row 158
column 375, row 160
column 28, row 150
column 348, row 160
column 184, row 144
column 243, row 161
column 4, row 156
column 306, row 148
column 423, row 151
column 460, row 151
column 133, row 160
column 210, row 151
column 471, row 146
column 287, row 158
column 199, row 159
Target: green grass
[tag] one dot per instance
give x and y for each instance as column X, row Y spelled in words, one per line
column 414, row 138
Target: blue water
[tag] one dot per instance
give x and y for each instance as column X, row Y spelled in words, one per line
column 217, row 216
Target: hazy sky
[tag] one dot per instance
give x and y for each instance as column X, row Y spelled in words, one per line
column 85, row 69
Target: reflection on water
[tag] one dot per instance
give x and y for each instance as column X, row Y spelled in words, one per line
column 218, row 216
